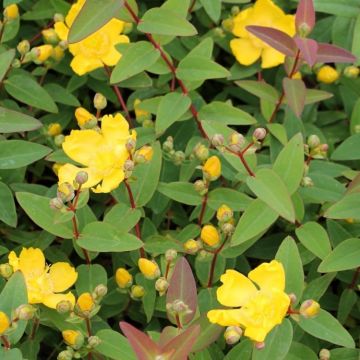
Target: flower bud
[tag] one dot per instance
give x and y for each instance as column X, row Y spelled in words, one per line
column 65, row 355
column 148, row 268
column 6, row 270
column 41, row 53
column 130, row 145
column 224, row 213
column 143, row 155
column 351, row 72
column 313, row 141
column 148, row 124
column 168, row 145
column 81, row 177
column 23, row 47
column 260, row 345
column 201, row 152
column 65, row 192
column 192, row 246
column 228, row 228
column 324, row 354
column 307, row 181
column 161, row 285
column 85, row 304
column 309, row 308
column 259, row 133
column 297, row 76
column 54, row 129
column 73, row 338
column 64, row 306
column 94, row 341
column 137, row 292
column 209, row 235
column 327, row 74
column 140, row 114
column 58, row 17
column 25, row 312
column 304, row 29
column 170, row 255
column 212, row 168
column 123, row 278
column 236, row 141
column 100, row 101
column 83, row 116
column 16, row 64
column 235, row 10
column 50, row 36
column 100, row 291
column 217, row 140
column 11, row 12
column 200, row 187
column 4, row 322
column 324, row 148
column 58, row 53
column 178, row 307
column 228, row 24
column 59, row 139
column 232, row 334
column 179, row 157
column 56, row 203
column 292, row 298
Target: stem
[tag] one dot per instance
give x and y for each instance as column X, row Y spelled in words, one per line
column 88, row 328
column 167, row 269
column 213, row 262
column 243, row 160
column 282, row 96
column 191, row 8
column 2, row 30
column 137, row 226
column 178, row 322
column 355, row 278
column 247, row 147
column 38, row 35
column 203, row 208
column 34, row 329
column 5, row 341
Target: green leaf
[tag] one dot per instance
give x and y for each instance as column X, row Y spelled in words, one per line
column 182, row 192
column 316, row 288
column 6, row 59
column 260, row 89
column 14, row 121
column 315, row 238
column 348, row 150
column 18, row 153
column 324, row 326
column 38, row 209
column 114, row 345
column 299, row 351
column 269, row 187
column 288, row 255
column 12, row 354
column 236, row 200
column 28, row 91
column 103, row 237
column 212, row 8
column 347, row 301
column 348, row 8
column 257, row 218
column 209, row 332
column 295, row 92
column 274, row 348
column 356, row 40
column 345, row 256
column 314, row 96
column 198, row 68
column 7, row 206
column 136, row 58
column 124, row 217
column 90, row 276
column 61, row 95
column 347, row 207
column 149, row 298
column 172, row 106
column 225, row 114
column 242, row 351
column 93, row 15
column 345, row 354
column 161, row 21
column 291, row 172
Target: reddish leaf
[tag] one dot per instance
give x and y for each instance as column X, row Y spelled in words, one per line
column 308, row 49
column 295, row 93
column 330, row 53
column 144, row 347
column 181, row 346
column 305, row 14
column 275, row 38
column 182, row 287
column 167, row 334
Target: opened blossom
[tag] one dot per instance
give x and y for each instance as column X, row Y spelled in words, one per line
column 102, row 152
column 258, row 301
column 96, row 50
column 248, row 48
column 44, row 283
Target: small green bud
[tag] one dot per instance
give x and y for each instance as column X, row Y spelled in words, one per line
column 307, row 181
column 64, row 306
column 100, row 291
column 227, row 228
column 313, row 141
column 25, row 312
column 94, row 341
column 200, row 187
column 59, row 139
column 201, row 152
column 6, row 270
column 130, row 145
column 259, row 133
column 65, row 355
column 168, row 145
column 232, row 334
column 351, row 72
column 56, row 203
column 324, row 354
column 179, row 157
column 100, row 101
column 170, row 255
column 304, row 30
column 161, row 285
column 217, row 140
column 65, row 192
column 81, row 177
column 58, row 17
column 16, row 64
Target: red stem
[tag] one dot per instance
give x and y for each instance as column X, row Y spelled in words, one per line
column 167, row 269
column 6, row 342
column 243, row 160
column 191, row 8
column 88, row 328
column 203, row 208
column 38, row 35
column 243, row 151
column 178, row 322
column 355, row 278
column 213, row 262
column 34, row 329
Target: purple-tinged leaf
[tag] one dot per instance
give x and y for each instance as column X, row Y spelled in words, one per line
column 330, row 53
column 289, row 65
column 167, row 334
column 275, row 38
column 181, row 346
column 305, row 14
column 308, row 49
column 143, row 346
column 295, row 93
column 182, row 287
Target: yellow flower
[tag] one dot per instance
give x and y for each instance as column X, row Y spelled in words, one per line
column 85, row 302
column 209, row 235
column 123, row 278
column 191, row 246
column 212, row 168
column 262, row 307
column 42, row 53
column 11, row 12
column 148, row 268
column 73, row 338
column 44, row 283
column 103, row 153
column 224, row 213
column 83, row 116
column 144, row 154
column 50, row 36
column 137, row 292
column 98, row 48
column 4, row 322
column 56, row 167
column 248, row 48
column 327, row 74
column 54, row 129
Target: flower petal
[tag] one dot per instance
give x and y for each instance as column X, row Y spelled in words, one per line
column 244, row 51
column 13, row 260
column 257, row 334
column 236, row 290
column 82, row 64
column 224, row 317
column 62, row 276
column 241, row 20
column 68, row 172
column 32, row 262
column 62, row 31
column 51, row 300
column 269, row 276
column 115, row 129
column 271, row 57
column 81, row 145
column 110, row 182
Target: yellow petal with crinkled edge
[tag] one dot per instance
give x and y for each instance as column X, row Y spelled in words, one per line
column 257, row 334
column 244, row 51
column 62, row 31
column 236, row 290
column 110, row 182
column 81, row 145
column 62, row 276
column 82, row 64
column 224, row 317
column 51, row 300
column 269, row 276
column 115, row 129
column 271, row 57
column 32, row 261
column 13, row 260
column 68, row 172
column 74, row 12
column 241, row 20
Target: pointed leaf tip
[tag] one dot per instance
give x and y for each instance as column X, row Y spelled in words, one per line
column 305, row 14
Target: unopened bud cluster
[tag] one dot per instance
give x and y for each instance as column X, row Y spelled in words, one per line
column 315, row 148
column 176, row 156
